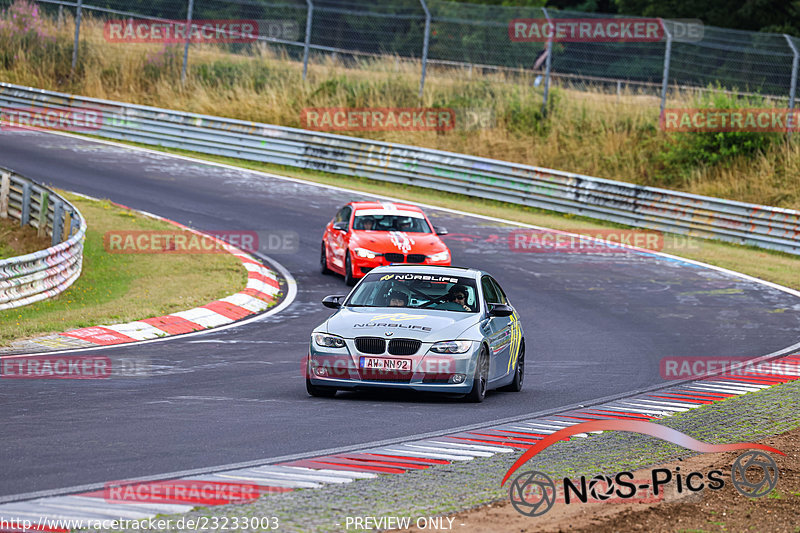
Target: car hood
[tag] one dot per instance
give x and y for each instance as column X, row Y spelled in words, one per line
column 398, row 242
column 423, row 324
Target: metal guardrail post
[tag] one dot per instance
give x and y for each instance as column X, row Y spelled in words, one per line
column 425, row 43
column 793, row 87
column 78, row 11
column 309, row 18
column 188, row 40
column 5, row 189
column 58, row 222
column 665, row 75
column 25, row 217
column 548, row 63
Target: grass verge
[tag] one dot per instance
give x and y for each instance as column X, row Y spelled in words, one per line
column 115, row 288
column 777, row 267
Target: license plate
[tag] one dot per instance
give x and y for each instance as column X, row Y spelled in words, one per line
column 382, row 363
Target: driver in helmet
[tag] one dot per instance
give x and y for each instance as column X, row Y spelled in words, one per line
column 367, row 223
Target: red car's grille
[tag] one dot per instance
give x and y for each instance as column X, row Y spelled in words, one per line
column 395, row 258
column 415, row 258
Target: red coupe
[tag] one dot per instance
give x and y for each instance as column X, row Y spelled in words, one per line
column 364, row 235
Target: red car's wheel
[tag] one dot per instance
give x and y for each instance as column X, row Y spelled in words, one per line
column 348, row 272
column 323, row 261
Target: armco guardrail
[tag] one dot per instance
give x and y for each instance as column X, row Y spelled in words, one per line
column 649, row 207
column 39, row 275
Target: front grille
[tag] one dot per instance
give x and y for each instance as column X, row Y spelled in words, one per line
column 403, row 346
column 374, row 345
column 395, row 258
column 385, row 375
column 415, row 258
column 436, row 378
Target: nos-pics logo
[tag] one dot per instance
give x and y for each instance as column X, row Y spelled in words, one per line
column 532, row 493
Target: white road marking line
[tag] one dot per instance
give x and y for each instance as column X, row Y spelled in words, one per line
column 481, row 447
column 427, row 455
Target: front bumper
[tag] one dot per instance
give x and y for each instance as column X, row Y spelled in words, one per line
column 430, row 372
column 361, row 265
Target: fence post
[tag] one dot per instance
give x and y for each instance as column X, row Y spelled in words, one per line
column 425, row 43
column 5, row 191
column 78, row 10
column 309, row 18
column 548, row 63
column 44, row 200
column 188, row 40
column 665, row 75
column 67, row 231
column 793, row 87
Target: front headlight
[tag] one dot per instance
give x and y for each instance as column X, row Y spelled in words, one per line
column 328, row 341
column 441, row 256
column 451, row 346
column 366, row 254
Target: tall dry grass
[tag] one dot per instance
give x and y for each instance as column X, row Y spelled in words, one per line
column 587, row 132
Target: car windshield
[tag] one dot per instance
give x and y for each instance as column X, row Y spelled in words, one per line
column 416, row 291
column 411, row 224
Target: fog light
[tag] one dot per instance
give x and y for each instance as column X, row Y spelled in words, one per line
column 321, row 371
column 457, row 378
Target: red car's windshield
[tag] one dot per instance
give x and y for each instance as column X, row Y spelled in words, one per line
column 391, row 223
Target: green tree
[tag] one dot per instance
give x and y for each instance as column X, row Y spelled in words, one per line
column 777, row 16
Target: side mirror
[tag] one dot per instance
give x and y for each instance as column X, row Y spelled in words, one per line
column 333, row 301
column 341, row 226
column 500, row 310
column 441, row 231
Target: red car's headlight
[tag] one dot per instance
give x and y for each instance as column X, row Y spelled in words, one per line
column 366, row 254
column 441, row 256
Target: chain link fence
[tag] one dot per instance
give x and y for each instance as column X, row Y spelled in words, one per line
column 467, row 37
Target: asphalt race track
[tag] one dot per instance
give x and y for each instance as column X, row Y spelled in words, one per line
column 596, row 325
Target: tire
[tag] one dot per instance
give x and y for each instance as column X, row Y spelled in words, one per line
column 349, row 280
column 323, row 260
column 319, row 392
column 481, row 379
column 519, row 372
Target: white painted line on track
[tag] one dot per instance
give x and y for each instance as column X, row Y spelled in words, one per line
column 474, row 453
column 457, row 445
